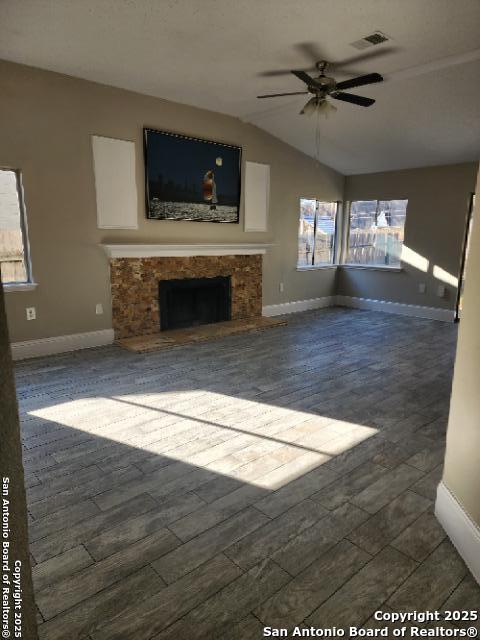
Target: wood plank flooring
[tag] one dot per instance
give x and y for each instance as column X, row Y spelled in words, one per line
column 279, row 478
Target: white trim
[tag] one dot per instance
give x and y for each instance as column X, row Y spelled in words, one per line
column 431, row 313
column 416, row 311
column 19, row 286
column 460, row 528
column 179, row 250
column 318, row 267
column 371, row 267
column 60, row 344
column 298, row 305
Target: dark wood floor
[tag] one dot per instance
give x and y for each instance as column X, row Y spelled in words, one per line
column 277, row 478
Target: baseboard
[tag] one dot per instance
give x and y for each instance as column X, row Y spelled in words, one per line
column 73, row 342
column 298, row 305
column 61, row 344
column 460, row 528
column 416, row 311
column 412, row 310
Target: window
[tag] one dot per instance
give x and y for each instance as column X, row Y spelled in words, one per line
column 376, row 232
column 14, row 255
column 316, row 233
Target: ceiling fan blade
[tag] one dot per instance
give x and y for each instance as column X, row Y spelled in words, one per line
column 368, row 55
column 350, row 97
column 304, row 77
column 274, row 73
column 370, row 78
column 277, row 95
column 310, row 50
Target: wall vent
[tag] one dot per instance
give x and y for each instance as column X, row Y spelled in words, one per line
column 370, row 41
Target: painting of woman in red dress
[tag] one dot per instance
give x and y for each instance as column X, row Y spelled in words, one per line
column 210, row 189
column 191, row 179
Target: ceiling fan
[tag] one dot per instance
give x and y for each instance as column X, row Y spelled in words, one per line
column 323, row 87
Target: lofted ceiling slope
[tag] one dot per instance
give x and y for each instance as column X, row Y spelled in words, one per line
column 213, row 54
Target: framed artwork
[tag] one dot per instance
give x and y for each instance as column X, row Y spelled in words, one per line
column 190, row 178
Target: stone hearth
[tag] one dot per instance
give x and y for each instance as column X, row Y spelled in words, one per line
column 135, row 305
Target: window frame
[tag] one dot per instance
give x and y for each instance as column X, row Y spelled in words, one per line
column 346, row 238
column 29, row 283
column 325, row 265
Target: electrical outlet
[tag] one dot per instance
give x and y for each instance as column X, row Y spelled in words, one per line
column 31, row 313
column 281, row 287
column 441, row 291
column 422, row 287
column 99, row 308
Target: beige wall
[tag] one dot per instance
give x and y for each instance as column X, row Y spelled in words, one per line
column 462, row 460
column 46, row 121
column 438, row 201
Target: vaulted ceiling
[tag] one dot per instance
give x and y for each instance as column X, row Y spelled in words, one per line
column 214, row 54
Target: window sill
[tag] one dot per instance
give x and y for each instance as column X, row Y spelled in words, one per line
column 19, row 286
column 318, row 267
column 371, row 267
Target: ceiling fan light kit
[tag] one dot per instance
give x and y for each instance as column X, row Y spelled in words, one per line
column 322, row 87
column 318, row 105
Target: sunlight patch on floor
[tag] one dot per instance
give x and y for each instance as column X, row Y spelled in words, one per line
column 214, row 431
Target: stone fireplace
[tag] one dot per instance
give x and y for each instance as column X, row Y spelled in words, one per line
column 137, row 273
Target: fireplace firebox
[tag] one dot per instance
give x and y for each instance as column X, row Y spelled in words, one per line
column 188, row 302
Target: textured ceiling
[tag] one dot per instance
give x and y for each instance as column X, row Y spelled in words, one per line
column 211, row 54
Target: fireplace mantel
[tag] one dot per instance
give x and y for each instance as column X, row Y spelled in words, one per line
column 181, row 250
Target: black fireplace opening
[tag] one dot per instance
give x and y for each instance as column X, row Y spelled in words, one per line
column 189, row 302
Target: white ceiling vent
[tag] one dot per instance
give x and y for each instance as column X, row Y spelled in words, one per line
column 370, row 41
